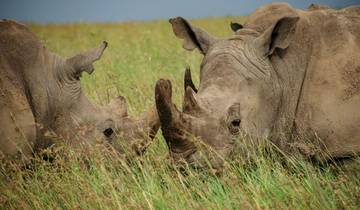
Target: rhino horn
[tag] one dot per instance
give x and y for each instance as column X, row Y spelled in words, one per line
column 163, row 94
column 118, row 106
column 173, row 122
column 151, row 122
column 83, row 61
column 149, row 125
column 188, row 80
column 191, row 104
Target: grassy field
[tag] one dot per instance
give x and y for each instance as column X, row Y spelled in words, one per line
column 140, row 53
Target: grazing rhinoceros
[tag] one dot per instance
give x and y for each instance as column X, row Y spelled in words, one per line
column 284, row 70
column 41, row 98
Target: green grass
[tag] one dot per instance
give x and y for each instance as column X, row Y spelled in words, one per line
column 140, row 53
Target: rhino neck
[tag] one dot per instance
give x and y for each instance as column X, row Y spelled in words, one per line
column 67, row 105
column 291, row 67
column 36, row 77
column 78, row 121
column 57, row 100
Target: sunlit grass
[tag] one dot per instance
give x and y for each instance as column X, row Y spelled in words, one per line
column 140, row 53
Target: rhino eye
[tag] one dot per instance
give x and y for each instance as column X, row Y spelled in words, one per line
column 236, row 122
column 234, row 126
column 108, row 132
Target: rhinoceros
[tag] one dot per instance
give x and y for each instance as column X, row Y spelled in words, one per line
column 41, row 99
column 283, row 74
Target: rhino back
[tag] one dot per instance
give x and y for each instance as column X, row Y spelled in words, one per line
column 18, row 45
column 30, row 62
column 331, row 92
column 325, row 55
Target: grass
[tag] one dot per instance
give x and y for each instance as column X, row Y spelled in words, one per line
column 139, row 54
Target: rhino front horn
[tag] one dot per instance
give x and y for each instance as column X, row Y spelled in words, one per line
column 173, row 122
column 164, row 106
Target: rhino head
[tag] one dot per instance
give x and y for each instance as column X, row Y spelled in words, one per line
column 239, row 91
column 73, row 117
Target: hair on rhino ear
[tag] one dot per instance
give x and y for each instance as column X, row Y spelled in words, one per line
column 193, row 37
column 278, row 36
column 235, row 26
column 83, row 61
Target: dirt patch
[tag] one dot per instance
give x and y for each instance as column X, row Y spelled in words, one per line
column 352, row 77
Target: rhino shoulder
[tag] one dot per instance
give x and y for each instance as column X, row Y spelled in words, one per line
column 269, row 14
column 15, row 31
column 17, row 122
column 18, row 45
column 14, row 28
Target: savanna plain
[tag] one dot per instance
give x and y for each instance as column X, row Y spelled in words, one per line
column 140, row 53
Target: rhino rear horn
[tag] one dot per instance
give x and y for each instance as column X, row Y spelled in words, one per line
column 191, row 104
column 188, row 80
column 151, row 122
column 118, row 106
column 83, row 61
column 149, row 125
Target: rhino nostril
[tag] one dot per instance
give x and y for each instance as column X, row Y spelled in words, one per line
column 236, row 122
column 108, row 132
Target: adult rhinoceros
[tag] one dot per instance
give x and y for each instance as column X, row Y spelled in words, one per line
column 284, row 70
column 41, row 98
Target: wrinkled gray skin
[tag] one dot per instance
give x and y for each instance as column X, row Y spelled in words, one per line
column 42, row 100
column 285, row 72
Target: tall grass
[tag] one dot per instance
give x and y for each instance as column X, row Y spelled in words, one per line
column 139, row 54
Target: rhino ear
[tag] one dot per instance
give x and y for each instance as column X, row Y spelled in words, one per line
column 193, row 36
column 278, row 36
column 83, row 61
